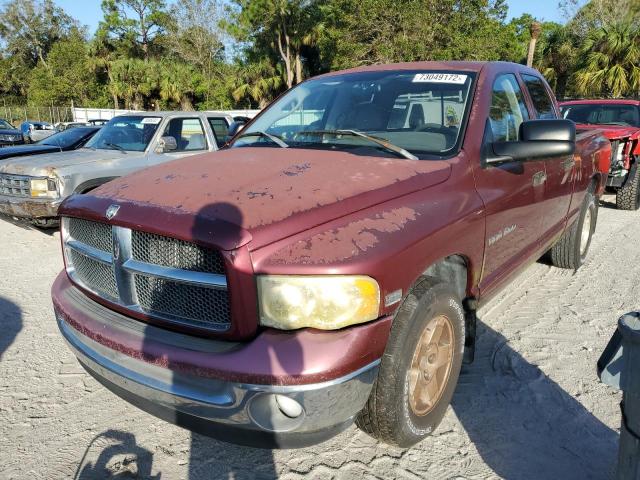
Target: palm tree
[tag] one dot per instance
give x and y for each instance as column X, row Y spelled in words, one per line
column 179, row 83
column 260, row 83
column 133, row 81
column 558, row 58
column 611, row 65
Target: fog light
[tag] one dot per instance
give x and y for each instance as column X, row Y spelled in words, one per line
column 288, row 406
column 275, row 412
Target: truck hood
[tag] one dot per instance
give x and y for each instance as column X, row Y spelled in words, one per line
column 612, row 132
column 259, row 195
column 21, row 150
column 8, row 131
column 48, row 164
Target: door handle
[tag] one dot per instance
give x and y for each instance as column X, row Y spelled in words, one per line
column 539, row 178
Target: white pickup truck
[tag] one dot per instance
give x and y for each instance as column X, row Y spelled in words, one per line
column 32, row 188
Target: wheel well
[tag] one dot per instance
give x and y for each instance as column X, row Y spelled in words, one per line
column 91, row 184
column 595, row 181
column 453, row 270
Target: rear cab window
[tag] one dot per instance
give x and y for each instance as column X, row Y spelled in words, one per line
column 220, row 128
column 539, row 97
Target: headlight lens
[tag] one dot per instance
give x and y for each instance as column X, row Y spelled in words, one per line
column 325, row 302
column 44, row 188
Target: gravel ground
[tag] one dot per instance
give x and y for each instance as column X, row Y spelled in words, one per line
column 530, row 407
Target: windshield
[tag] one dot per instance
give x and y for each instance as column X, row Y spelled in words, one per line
column 5, row 124
column 132, row 133
column 67, row 138
column 415, row 114
column 603, row 114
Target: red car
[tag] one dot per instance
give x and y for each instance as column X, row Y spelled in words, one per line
column 619, row 121
column 327, row 265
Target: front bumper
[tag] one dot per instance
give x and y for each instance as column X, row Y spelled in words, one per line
column 255, row 414
column 5, row 143
column 26, row 207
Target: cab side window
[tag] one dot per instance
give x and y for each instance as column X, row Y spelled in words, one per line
column 220, row 128
column 540, row 97
column 188, row 133
column 507, row 110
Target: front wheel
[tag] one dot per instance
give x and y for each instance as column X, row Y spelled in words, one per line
column 420, row 367
column 572, row 248
column 628, row 197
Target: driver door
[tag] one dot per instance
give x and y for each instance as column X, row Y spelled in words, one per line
column 188, row 138
column 512, row 192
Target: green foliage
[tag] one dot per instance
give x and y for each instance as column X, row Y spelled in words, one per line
column 65, row 77
column 278, row 30
column 383, row 31
column 134, row 24
column 611, row 62
column 170, row 54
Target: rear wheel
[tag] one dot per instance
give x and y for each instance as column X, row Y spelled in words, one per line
column 572, row 248
column 420, row 367
column 628, row 196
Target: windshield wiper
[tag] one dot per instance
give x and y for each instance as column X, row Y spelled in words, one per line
column 274, row 138
column 114, row 146
column 377, row 140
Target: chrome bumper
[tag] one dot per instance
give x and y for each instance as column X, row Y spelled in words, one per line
column 266, row 416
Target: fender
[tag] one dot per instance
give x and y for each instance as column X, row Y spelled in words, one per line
column 91, row 184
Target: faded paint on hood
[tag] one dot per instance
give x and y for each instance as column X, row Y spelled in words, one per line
column 266, row 193
column 54, row 163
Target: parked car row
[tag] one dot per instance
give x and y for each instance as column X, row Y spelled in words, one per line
column 325, row 266
column 9, row 135
column 36, row 131
column 33, row 188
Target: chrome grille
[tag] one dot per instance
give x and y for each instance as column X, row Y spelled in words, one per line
column 98, row 275
column 164, row 277
column 15, row 185
column 198, row 305
column 94, row 234
column 170, row 252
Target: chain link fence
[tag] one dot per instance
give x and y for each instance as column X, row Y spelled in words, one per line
column 16, row 114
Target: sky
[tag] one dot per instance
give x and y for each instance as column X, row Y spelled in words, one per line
column 88, row 11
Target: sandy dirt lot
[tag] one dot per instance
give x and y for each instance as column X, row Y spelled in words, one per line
column 531, row 406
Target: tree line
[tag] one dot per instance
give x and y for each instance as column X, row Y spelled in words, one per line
column 222, row 54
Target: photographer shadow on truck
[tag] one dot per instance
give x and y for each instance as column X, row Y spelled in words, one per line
column 522, row 423
column 210, row 458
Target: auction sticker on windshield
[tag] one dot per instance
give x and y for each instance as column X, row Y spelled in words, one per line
column 151, row 120
column 440, row 78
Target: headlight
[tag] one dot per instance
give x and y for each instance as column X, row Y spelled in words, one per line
column 325, row 302
column 44, row 188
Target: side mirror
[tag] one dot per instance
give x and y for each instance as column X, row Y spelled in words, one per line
column 538, row 139
column 166, row 144
column 234, row 128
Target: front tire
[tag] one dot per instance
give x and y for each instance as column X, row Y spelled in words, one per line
column 572, row 248
column 420, row 367
column 628, row 197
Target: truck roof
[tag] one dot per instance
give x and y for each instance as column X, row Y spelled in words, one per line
column 171, row 113
column 602, row 101
column 462, row 66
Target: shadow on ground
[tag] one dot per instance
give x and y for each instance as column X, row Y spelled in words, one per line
column 523, row 424
column 10, row 323
column 118, row 457
column 25, row 225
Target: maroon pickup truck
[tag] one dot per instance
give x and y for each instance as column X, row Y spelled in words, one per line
column 327, row 265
